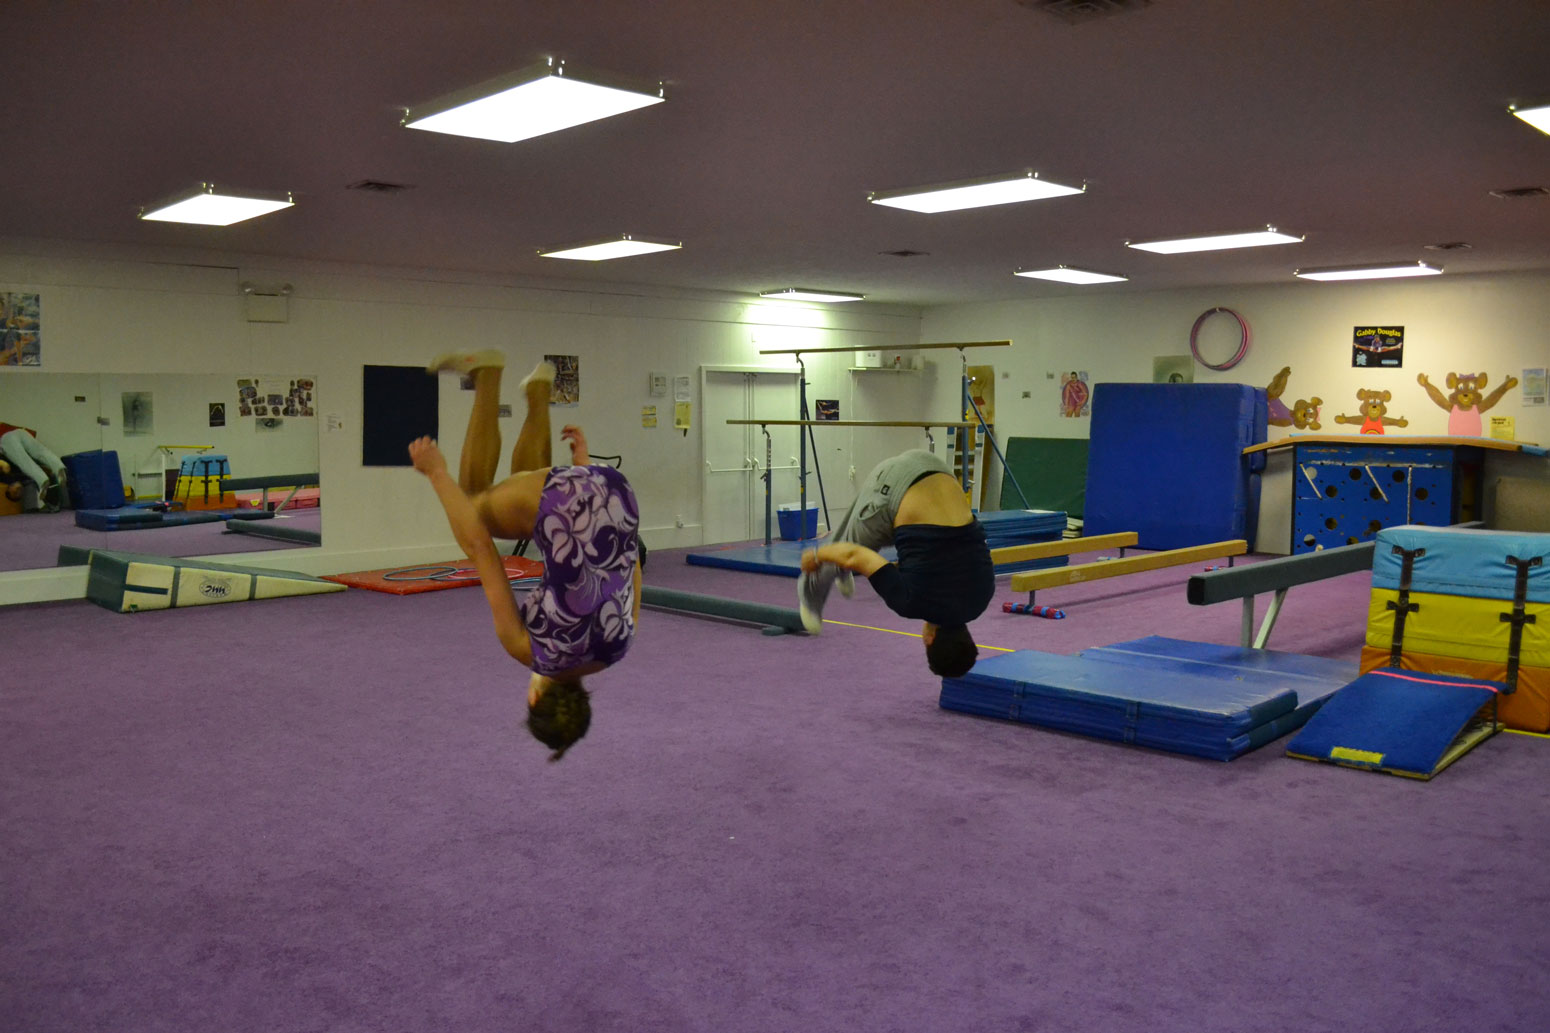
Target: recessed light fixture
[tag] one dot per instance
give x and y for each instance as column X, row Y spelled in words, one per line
column 615, row 247
column 808, row 294
column 974, row 193
column 1380, row 271
column 203, row 206
column 1066, row 274
column 1536, row 114
column 1214, row 242
column 541, row 98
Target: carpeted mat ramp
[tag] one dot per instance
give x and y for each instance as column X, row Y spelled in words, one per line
column 127, row 582
column 1186, row 697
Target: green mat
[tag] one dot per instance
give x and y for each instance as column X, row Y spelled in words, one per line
column 1051, row 471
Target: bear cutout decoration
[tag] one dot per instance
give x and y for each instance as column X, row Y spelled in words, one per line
column 1464, row 403
column 1374, row 412
column 1304, row 413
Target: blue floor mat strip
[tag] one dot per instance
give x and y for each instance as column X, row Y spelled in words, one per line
column 1170, row 694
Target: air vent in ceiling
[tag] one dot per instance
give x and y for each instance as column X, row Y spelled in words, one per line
column 904, row 253
column 1517, row 192
column 378, row 186
column 1452, row 245
column 1077, row 11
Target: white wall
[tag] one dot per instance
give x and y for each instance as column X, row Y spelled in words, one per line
column 113, row 311
column 1498, row 324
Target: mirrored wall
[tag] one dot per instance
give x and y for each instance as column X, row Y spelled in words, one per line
column 265, row 426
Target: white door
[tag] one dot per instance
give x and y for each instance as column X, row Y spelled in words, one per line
column 736, row 456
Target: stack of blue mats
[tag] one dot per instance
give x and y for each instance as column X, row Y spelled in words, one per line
column 141, row 516
column 1024, row 527
column 1186, row 697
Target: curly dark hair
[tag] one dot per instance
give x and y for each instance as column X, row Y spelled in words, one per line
column 952, row 652
column 560, row 717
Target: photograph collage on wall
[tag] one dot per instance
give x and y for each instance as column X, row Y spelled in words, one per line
column 566, row 389
column 268, row 400
column 21, row 330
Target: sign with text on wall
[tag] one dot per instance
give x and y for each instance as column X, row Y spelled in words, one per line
column 1377, row 346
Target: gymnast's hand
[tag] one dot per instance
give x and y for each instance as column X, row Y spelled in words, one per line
column 578, row 444
column 427, row 457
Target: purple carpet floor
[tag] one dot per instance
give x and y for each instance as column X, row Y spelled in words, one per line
column 321, row 814
column 29, row 541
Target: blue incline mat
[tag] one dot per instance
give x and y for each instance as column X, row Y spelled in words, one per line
column 1186, row 697
column 1400, row 722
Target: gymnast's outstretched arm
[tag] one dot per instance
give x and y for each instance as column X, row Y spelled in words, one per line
column 475, row 540
column 844, row 554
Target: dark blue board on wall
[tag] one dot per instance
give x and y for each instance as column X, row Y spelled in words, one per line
column 1166, row 461
column 399, row 404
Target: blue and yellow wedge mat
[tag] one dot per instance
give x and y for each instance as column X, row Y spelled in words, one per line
column 127, row 582
column 1400, row 722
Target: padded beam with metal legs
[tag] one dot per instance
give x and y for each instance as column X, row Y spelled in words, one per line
column 777, row 620
column 1033, row 580
column 1276, row 576
column 1064, row 547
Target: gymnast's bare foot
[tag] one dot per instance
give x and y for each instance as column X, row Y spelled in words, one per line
column 467, row 362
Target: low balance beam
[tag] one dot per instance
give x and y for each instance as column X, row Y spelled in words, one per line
column 1063, row 547
column 777, row 620
column 1031, row 581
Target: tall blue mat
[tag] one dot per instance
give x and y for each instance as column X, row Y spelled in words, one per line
column 1166, row 461
column 1186, row 697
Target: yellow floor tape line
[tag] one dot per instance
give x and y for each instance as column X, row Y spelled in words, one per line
column 1519, row 731
column 911, row 634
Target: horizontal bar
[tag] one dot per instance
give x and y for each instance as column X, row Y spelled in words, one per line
column 715, row 606
column 1062, row 547
column 1033, row 580
column 854, row 423
column 889, row 348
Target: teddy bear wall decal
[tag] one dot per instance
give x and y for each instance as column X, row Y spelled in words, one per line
column 1464, row 402
column 1373, row 411
column 1303, row 414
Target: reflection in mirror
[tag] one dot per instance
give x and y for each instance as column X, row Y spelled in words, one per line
column 167, row 464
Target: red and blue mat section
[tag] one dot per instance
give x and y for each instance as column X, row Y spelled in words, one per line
column 1221, row 702
column 784, row 558
column 435, row 577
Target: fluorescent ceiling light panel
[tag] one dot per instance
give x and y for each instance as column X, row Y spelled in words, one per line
column 807, row 294
column 539, row 99
column 204, row 207
column 974, row 193
column 1536, row 115
column 602, row 250
column 1066, row 274
column 1215, row 242
column 1380, row 271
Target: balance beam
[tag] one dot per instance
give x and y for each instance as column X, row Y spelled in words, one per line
column 274, row 532
column 1276, row 576
column 1064, row 547
column 777, row 620
column 1031, row 581
column 293, row 481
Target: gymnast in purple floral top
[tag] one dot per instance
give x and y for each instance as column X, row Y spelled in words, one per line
column 584, row 519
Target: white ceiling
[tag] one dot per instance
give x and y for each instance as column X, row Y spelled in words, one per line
column 1375, row 127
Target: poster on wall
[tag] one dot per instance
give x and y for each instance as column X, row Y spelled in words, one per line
column 21, row 330
column 566, row 389
column 217, row 414
column 138, row 412
column 1076, row 399
column 1533, row 385
column 1377, row 347
column 826, row 409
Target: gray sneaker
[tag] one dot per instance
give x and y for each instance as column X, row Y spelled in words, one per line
column 845, row 581
column 811, row 590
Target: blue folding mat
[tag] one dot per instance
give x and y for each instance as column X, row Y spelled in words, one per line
column 1166, row 461
column 1008, row 527
column 1170, row 694
column 140, row 517
column 1400, row 722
